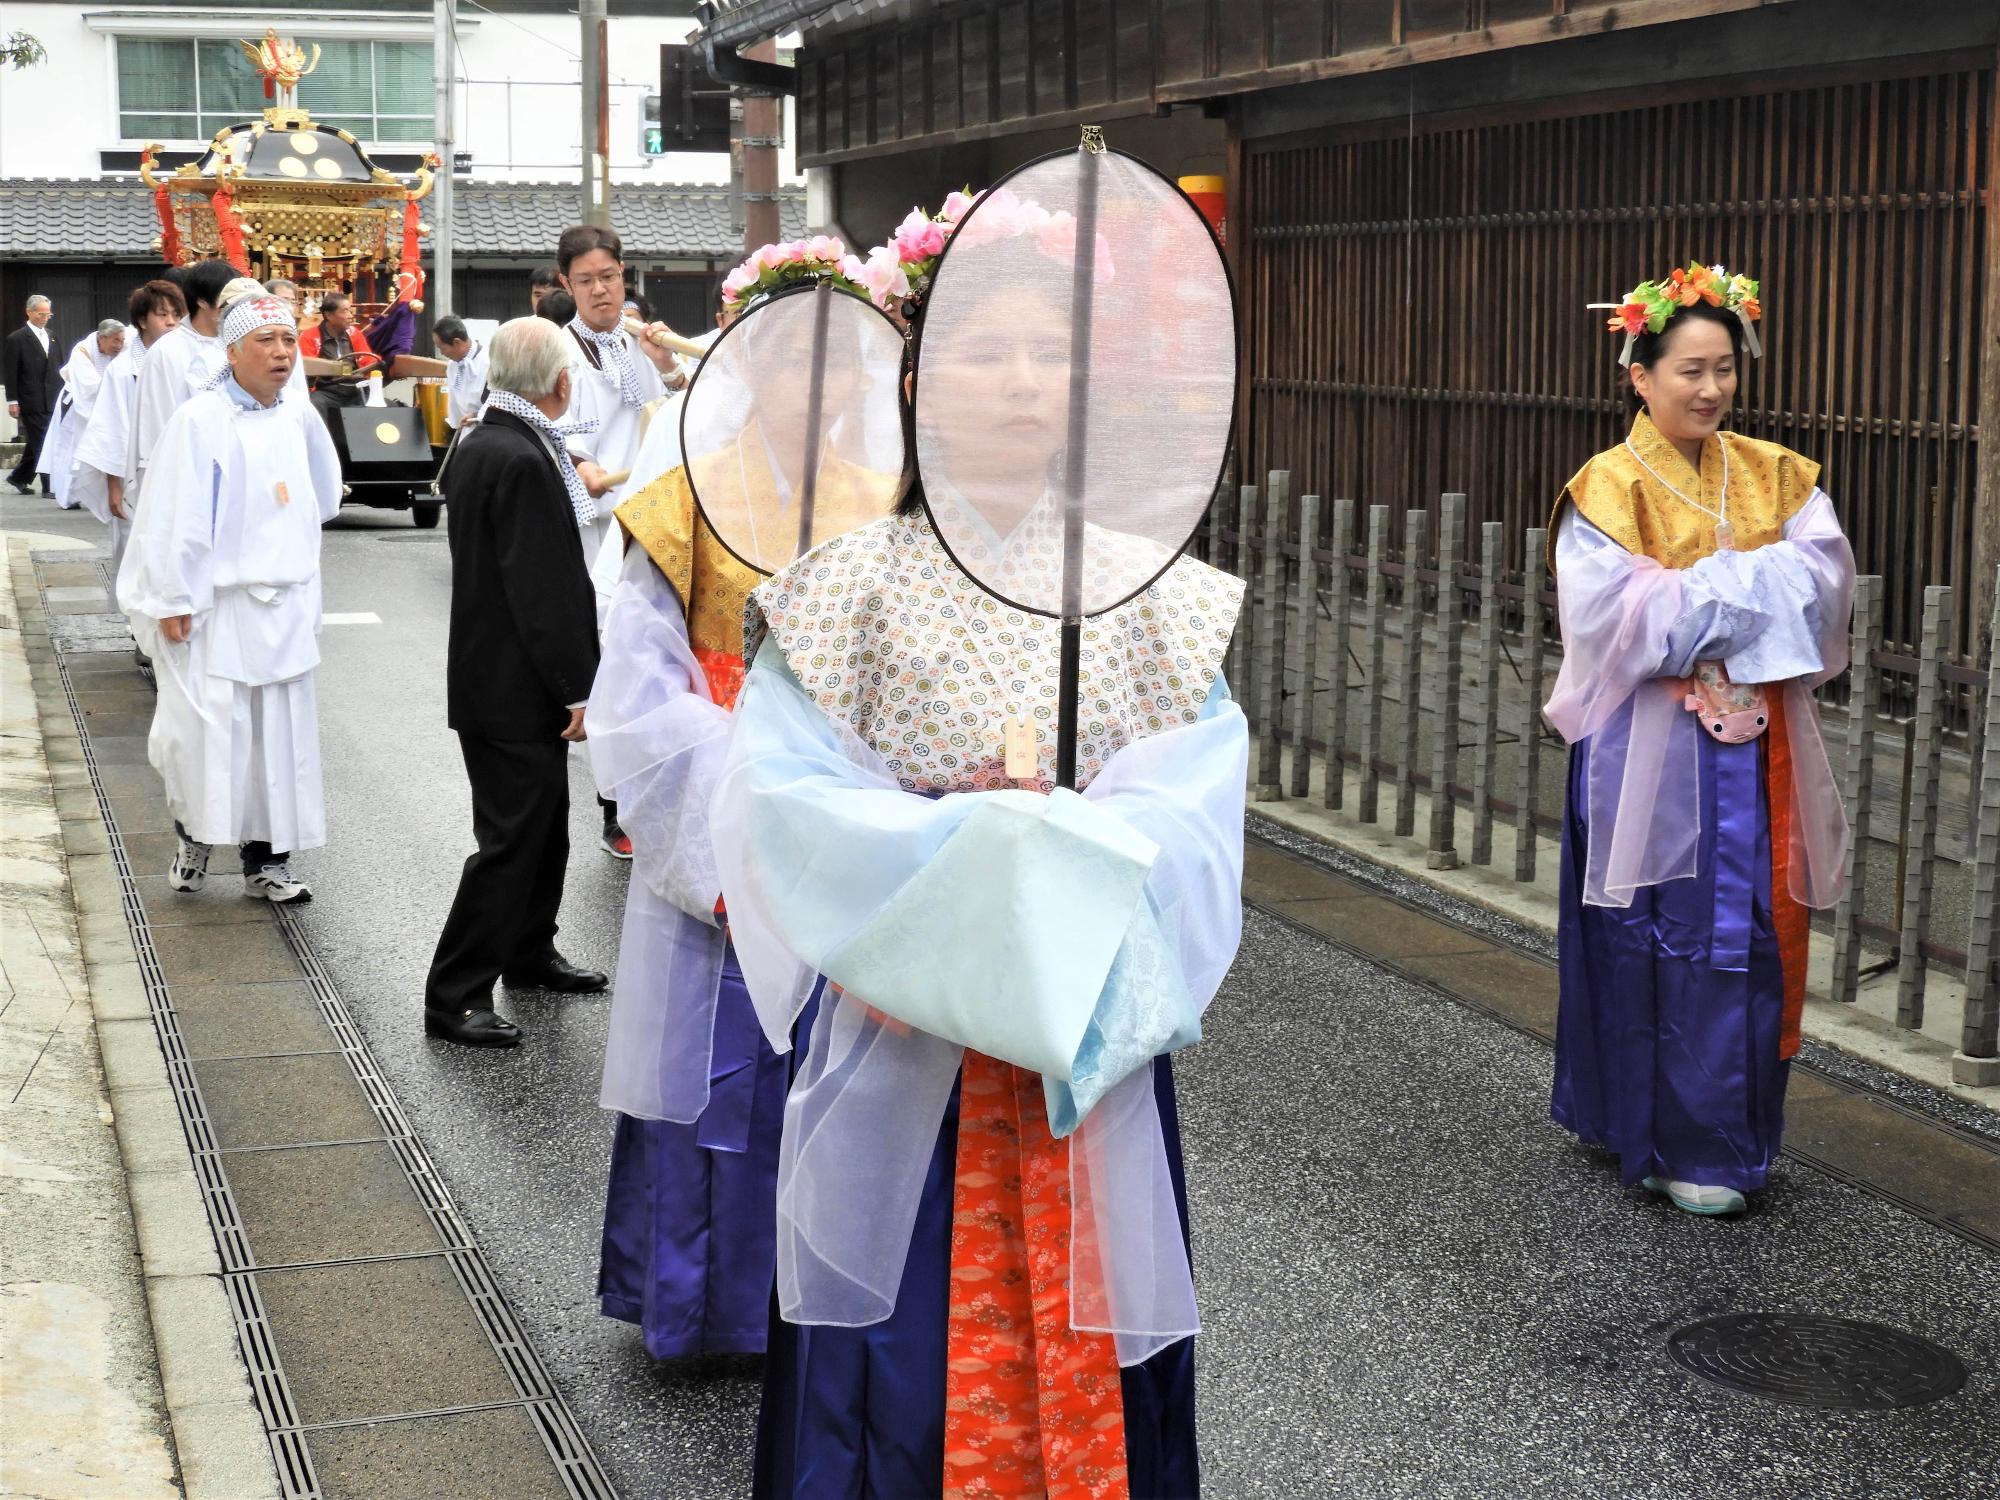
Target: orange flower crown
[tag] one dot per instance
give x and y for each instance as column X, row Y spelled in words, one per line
column 1650, row 305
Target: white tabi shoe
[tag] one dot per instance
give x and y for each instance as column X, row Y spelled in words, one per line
column 276, row 884
column 1692, row 1197
column 190, row 866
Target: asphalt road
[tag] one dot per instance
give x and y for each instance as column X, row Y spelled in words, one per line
column 1413, row 1284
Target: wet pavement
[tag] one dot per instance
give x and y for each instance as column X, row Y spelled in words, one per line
column 1413, row 1284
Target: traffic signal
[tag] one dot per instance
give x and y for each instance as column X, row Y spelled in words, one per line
column 693, row 106
column 652, row 137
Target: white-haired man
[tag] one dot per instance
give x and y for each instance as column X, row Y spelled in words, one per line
column 82, row 378
column 518, row 671
column 221, row 581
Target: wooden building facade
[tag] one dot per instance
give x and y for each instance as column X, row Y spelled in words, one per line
column 1425, row 194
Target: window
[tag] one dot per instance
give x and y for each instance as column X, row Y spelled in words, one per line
column 177, row 89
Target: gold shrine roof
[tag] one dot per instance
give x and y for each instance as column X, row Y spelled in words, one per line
column 288, row 150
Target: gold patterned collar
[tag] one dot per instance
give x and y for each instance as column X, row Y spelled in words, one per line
column 1703, row 488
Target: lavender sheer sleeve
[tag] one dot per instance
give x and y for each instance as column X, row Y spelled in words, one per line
column 656, row 741
column 1769, row 614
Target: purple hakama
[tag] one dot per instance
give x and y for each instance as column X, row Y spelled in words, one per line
column 1667, row 1041
column 689, row 1238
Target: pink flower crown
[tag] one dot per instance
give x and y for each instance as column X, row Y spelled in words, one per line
column 901, row 271
column 820, row 258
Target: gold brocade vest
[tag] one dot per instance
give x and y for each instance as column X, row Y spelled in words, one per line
column 1616, row 493
column 712, row 584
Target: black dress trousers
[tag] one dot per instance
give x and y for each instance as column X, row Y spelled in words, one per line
column 503, row 919
column 34, row 431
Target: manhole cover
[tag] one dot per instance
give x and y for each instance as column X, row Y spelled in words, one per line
column 1816, row 1361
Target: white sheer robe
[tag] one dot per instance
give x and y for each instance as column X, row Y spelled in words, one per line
column 1632, row 629
column 1003, row 921
column 657, row 743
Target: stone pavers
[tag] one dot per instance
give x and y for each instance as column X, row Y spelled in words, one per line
column 303, row 1263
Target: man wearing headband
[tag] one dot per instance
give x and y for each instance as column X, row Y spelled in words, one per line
column 82, row 376
column 286, row 292
column 221, row 581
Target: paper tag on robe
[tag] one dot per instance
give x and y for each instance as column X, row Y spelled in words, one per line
column 1725, row 537
column 1023, row 761
column 284, row 495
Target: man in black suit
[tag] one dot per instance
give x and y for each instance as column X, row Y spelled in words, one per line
column 33, row 377
column 522, row 655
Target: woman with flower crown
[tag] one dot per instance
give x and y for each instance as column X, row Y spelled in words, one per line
column 687, row 1252
column 984, row 1284
column 1704, row 586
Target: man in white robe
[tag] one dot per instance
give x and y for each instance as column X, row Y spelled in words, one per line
column 105, row 460
column 178, row 366
column 82, row 377
column 222, row 582
column 613, row 375
column 612, row 378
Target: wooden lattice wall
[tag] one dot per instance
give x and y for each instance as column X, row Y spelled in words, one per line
column 1414, row 298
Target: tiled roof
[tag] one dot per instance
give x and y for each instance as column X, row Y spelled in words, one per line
column 109, row 219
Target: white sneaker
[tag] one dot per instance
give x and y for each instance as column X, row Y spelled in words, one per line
column 1694, row 1198
column 190, row 866
column 276, row 884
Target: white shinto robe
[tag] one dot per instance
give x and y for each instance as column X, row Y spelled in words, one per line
column 179, row 364
column 614, row 445
column 107, row 445
column 230, row 533
column 82, row 376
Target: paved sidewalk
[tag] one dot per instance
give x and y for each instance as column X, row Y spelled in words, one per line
column 82, row 1412
column 326, row 1325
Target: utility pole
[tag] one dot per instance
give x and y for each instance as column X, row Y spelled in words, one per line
column 442, row 50
column 596, row 120
column 763, row 134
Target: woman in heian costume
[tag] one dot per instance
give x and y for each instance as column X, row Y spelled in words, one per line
column 1705, row 588
column 983, row 1268
column 687, row 1251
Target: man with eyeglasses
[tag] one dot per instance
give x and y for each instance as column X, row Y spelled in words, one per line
column 613, row 376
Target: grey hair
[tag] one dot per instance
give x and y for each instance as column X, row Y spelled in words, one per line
column 277, row 281
column 38, row 300
column 527, row 356
column 110, row 326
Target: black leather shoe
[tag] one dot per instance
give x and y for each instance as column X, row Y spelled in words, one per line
column 472, row 1028
column 559, row 974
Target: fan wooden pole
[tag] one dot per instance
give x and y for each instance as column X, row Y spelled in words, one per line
column 1083, row 288
column 815, row 417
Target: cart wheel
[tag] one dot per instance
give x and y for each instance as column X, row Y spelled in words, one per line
column 426, row 516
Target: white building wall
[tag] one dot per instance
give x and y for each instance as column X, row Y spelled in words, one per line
column 519, row 110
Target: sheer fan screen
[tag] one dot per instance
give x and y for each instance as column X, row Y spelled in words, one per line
column 791, row 430
column 1023, row 359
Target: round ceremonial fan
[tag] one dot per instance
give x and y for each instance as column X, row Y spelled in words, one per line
column 1075, row 390
column 790, row 429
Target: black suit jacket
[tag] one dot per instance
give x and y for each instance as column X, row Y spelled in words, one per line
column 523, row 612
column 32, row 378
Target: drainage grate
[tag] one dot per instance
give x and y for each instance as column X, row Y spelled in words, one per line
column 576, row 1465
column 1809, row 1360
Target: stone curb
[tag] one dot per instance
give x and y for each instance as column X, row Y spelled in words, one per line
column 218, row 1433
